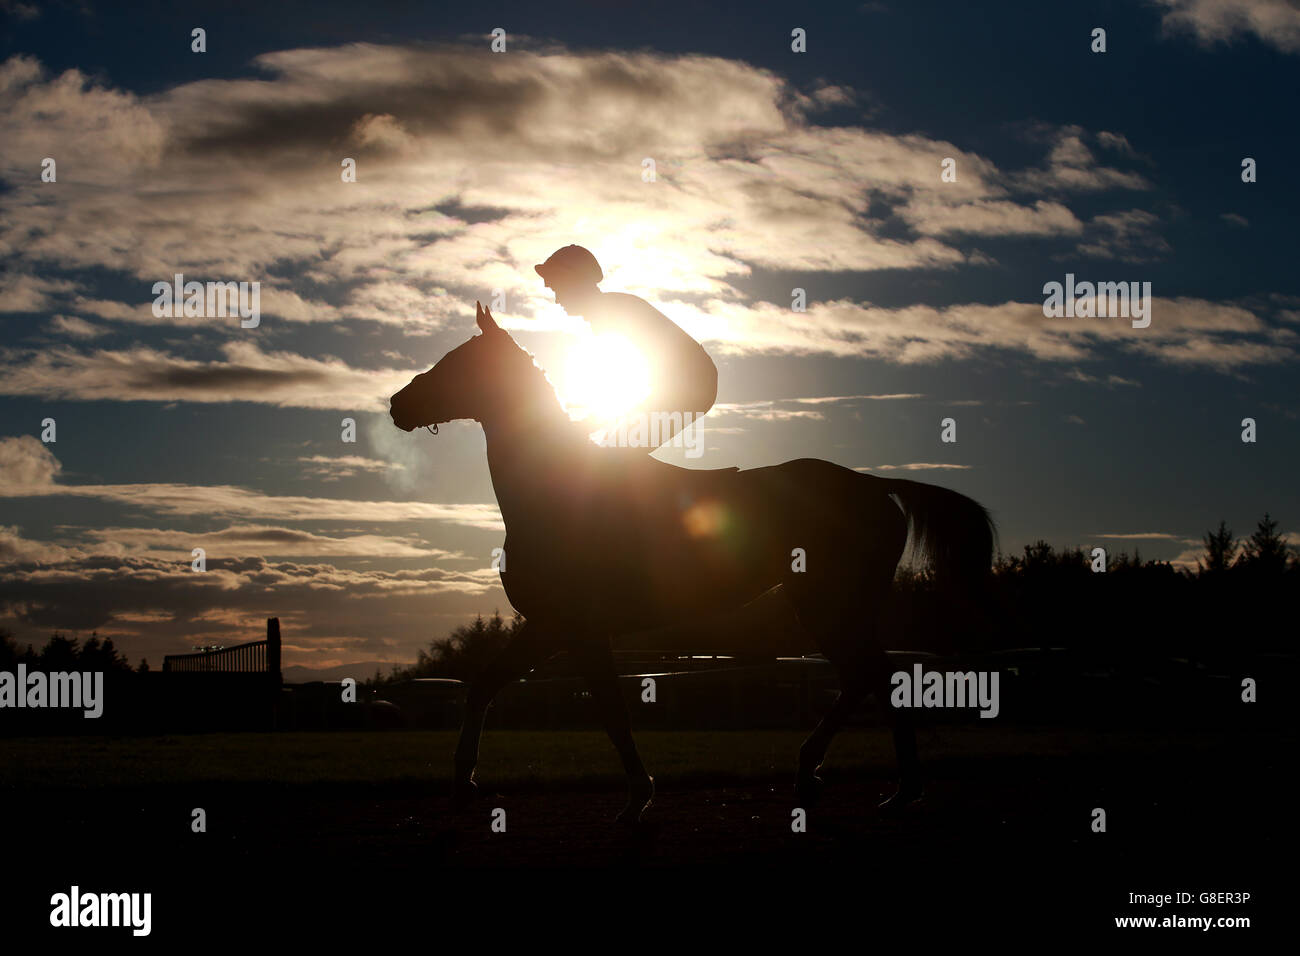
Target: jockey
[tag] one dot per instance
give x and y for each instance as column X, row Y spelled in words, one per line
column 683, row 379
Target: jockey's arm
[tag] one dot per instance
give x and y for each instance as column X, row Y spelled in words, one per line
column 686, row 390
column 684, row 380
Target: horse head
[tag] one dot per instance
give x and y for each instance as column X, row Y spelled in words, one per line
column 461, row 385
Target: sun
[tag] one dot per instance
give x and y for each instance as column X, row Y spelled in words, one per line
column 605, row 377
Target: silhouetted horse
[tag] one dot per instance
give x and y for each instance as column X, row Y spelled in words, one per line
column 602, row 542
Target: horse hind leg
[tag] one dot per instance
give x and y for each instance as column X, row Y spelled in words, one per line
column 859, row 654
column 830, row 628
column 904, row 732
column 860, row 676
column 876, row 673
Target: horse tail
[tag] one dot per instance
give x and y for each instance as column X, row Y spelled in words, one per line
column 954, row 534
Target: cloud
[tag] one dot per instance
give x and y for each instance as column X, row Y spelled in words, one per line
column 1115, row 141
column 1274, row 22
column 75, row 328
column 95, row 135
column 470, row 170
column 28, row 470
column 268, row 541
column 137, row 582
column 1130, row 236
column 1141, row 536
column 1188, row 560
column 773, row 410
column 1110, row 381
column 21, row 292
column 26, row 466
column 19, row 10
column 1072, row 167
column 15, row 549
column 97, row 590
column 247, row 373
column 332, row 468
column 1183, row 331
column 992, row 218
column 1187, row 332
column 827, row 399
column 915, row 466
column 235, row 541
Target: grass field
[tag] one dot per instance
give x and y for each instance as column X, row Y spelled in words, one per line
column 343, row 826
column 509, row 758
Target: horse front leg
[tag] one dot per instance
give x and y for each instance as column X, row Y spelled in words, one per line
column 596, row 662
column 531, row 646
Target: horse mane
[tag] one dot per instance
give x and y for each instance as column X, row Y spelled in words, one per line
column 537, row 380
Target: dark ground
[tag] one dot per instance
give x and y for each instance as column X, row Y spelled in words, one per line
column 1001, row 847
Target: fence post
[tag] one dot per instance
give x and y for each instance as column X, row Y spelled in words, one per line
column 275, row 679
column 273, row 649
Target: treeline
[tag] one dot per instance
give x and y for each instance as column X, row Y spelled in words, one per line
column 459, row 655
column 1263, row 557
column 1236, row 602
column 63, row 653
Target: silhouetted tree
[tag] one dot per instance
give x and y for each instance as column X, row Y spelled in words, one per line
column 461, row 654
column 1039, row 555
column 1265, row 552
column 99, row 655
column 60, row 654
column 1220, row 548
column 9, row 654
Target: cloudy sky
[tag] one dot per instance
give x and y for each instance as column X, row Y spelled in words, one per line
column 774, row 170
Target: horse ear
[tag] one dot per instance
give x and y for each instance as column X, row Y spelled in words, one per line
column 484, row 319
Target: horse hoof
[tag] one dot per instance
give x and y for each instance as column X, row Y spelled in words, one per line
column 638, row 801
column 904, row 798
column 809, row 790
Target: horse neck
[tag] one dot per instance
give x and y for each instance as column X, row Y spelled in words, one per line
column 531, row 446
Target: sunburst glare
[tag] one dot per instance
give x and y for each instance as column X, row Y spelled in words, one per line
column 605, row 376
